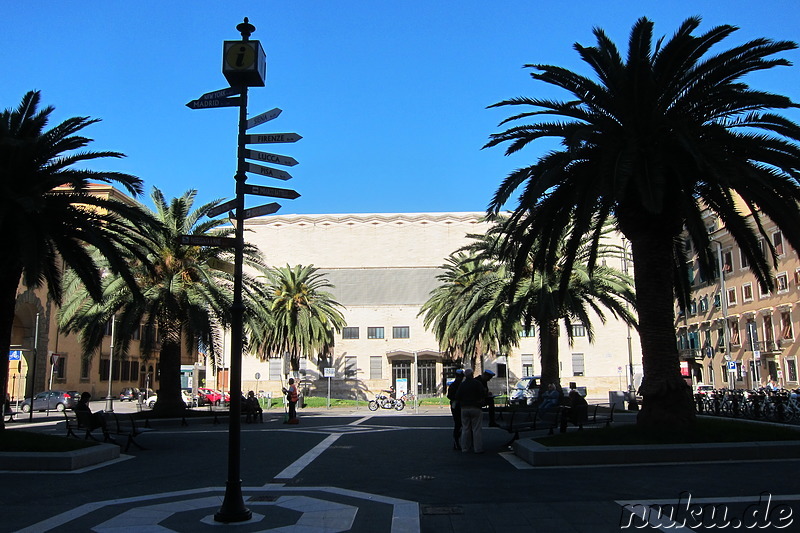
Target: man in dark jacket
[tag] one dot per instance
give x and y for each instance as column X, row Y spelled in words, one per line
column 470, row 395
column 489, row 399
column 455, row 408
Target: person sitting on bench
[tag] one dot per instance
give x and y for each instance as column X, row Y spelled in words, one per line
column 252, row 408
column 94, row 420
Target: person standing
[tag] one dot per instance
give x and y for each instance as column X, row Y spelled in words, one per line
column 488, row 397
column 470, row 396
column 292, row 397
column 455, row 408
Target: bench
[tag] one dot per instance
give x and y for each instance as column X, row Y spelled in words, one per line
column 10, row 414
column 601, row 414
column 525, row 418
column 116, row 425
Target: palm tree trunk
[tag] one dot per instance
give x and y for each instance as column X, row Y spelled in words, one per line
column 666, row 397
column 548, row 355
column 9, row 281
column 170, row 402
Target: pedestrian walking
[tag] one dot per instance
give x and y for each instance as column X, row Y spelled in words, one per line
column 471, row 396
column 455, row 408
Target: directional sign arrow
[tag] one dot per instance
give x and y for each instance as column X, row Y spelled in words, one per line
column 266, row 209
column 266, row 138
column 263, row 117
column 207, row 240
column 214, row 102
column 219, row 264
column 270, row 158
column 267, row 171
column 221, row 208
column 274, row 192
column 222, row 93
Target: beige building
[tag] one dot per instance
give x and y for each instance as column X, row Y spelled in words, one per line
column 383, row 267
column 761, row 325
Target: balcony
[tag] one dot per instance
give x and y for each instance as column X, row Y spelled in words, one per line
column 765, row 347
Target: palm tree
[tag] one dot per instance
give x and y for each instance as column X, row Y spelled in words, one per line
column 304, row 315
column 662, row 134
column 184, row 300
column 49, row 216
column 465, row 312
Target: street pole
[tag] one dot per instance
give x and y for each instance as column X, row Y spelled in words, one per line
column 631, row 386
column 723, row 300
column 233, row 508
column 109, row 397
column 33, row 367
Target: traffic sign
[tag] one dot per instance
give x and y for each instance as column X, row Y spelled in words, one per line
column 207, row 240
column 267, row 138
column 271, row 158
column 263, row 117
column 14, row 355
column 267, row 171
column 271, row 191
column 221, row 208
column 266, row 209
column 214, row 102
column 731, row 366
column 222, row 93
column 219, row 264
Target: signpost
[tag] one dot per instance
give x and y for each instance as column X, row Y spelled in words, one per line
column 271, row 158
column 266, row 209
column 222, row 208
column 219, row 264
column 207, row 240
column 243, row 65
column 329, row 372
column 274, row 192
column 267, row 138
column 263, row 117
column 267, row 171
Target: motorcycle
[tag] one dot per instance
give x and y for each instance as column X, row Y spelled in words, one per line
column 386, row 402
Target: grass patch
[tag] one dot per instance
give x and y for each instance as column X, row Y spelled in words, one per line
column 705, row 431
column 14, row 440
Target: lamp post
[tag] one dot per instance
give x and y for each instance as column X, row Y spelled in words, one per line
column 109, row 397
column 723, row 300
column 631, row 386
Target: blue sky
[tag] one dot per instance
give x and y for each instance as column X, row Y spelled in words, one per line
column 390, row 97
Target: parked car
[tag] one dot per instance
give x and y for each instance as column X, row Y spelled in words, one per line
column 701, row 388
column 54, row 400
column 525, row 391
column 129, row 394
column 209, row 396
column 187, row 399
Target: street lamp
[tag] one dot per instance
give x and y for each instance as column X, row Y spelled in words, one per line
column 631, row 386
column 723, row 298
column 109, row 397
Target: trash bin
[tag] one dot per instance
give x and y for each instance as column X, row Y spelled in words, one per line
column 617, row 399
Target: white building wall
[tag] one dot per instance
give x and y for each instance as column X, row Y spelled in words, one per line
column 410, row 240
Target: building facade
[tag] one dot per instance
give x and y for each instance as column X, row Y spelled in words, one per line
column 383, row 268
column 760, row 325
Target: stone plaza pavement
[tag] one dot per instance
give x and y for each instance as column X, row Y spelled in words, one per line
column 354, row 470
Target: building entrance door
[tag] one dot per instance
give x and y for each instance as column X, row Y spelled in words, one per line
column 401, row 370
column 427, row 376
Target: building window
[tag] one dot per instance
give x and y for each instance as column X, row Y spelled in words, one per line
column 103, row 369
column 717, row 301
column 703, row 304
column 350, row 333
column 60, row 367
column 350, row 366
column 578, row 330
column 108, row 327
column 137, row 333
column 797, row 278
column 727, row 261
column 734, row 326
column 531, row 331
column 782, row 282
column 527, row 364
column 777, row 242
column 747, row 292
column 763, row 292
column 577, row 364
column 711, row 379
column 732, row 296
column 791, row 370
column 787, row 332
column 693, row 308
column 721, row 338
column 86, row 367
column 501, row 370
column 126, row 371
column 135, row 370
column 768, row 331
column 400, row 332
column 744, row 260
column 376, row 367
column 375, row 333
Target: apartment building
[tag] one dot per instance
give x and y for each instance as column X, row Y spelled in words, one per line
column 759, row 324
